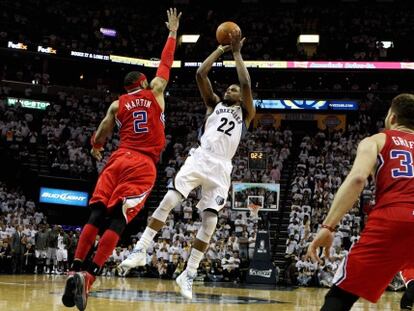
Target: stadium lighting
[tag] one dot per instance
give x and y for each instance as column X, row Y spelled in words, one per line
column 308, row 39
column 385, row 44
column 108, row 32
column 189, row 38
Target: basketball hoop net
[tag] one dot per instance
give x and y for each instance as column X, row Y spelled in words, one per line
column 254, row 210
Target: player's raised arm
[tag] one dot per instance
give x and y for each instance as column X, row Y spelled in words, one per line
column 236, row 43
column 203, row 82
column 159, row 83
column 104, row 130
column 348, row 193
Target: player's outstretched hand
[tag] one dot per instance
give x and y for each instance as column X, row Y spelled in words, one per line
column 324, row 238
column 173, row 19
column 96, row 153
column 236, row 41
column 225, row 48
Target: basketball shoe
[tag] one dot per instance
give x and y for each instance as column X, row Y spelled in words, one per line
column 83, row 283
column 137, row 258
column 407, row 299
column 69, row 292
column 185, row 282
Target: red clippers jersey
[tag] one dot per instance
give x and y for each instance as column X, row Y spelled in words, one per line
column 395, row 176
column 141, row 123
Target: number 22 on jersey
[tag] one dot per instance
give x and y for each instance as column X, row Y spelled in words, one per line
column 226, row 129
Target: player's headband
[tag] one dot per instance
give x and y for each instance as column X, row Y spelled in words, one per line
column 136, row 84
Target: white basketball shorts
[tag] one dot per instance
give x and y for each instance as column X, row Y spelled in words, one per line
column 211, row 172
column 62, row 255
column 41, row 254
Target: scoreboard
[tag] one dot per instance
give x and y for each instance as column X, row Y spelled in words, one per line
column 257, row 160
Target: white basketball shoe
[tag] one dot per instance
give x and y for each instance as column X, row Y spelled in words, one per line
column 138, row 258
column 185, row 282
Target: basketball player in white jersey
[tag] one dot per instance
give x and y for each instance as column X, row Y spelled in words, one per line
column 62, row 251
column 208, row 166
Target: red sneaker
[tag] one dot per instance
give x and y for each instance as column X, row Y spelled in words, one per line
column 83, row 281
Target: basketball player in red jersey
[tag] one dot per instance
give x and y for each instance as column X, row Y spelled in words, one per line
column 385, row 245
column 130, row 173
column 407, row 299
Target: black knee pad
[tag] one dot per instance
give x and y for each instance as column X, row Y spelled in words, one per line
column 338, row 299
column 98, row 213
column 118, row 221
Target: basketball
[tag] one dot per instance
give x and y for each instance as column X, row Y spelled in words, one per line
column 223, row 30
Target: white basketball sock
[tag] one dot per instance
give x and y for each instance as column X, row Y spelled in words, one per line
column 194, row 261
column 146, row 238
column 170, row 200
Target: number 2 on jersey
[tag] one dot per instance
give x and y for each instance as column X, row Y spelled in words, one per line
column 140, row 121
column 406, row 163
column 223, row 124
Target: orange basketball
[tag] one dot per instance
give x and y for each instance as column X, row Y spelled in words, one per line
column 223, row 30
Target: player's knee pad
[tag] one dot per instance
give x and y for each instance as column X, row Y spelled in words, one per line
column 170, row 200
column 208, row 226
column 118, row 221
column 98, row 213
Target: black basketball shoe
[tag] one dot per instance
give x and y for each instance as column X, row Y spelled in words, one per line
column 407, row 299
column 68, row 298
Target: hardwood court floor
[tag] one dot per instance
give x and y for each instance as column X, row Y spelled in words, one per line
column 43, row 293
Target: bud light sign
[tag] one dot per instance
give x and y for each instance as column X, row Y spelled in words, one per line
column 62, row 196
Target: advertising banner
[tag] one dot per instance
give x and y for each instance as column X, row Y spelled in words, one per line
column 63, row 196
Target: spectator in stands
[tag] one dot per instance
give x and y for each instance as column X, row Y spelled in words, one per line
column 41, row 248
column 52, row 240
column 5, row 257
column 179, row 268
column 17, row 250
column 291, row 246
column 230, row 266
column 325, row 276
column 29, row 259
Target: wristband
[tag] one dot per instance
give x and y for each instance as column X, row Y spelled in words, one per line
column 94, row 144
column 328, row 227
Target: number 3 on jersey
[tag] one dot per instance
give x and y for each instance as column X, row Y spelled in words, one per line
column 140, row 121
column 406, row 163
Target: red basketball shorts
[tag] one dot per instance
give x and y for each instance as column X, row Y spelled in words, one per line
column 384, row 249
column 128, row 177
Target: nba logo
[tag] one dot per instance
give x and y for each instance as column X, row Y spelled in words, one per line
column 262, row 244
column 262, row 247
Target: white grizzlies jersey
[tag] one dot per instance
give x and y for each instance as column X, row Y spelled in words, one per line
column 223, row 130
column 60, row 243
